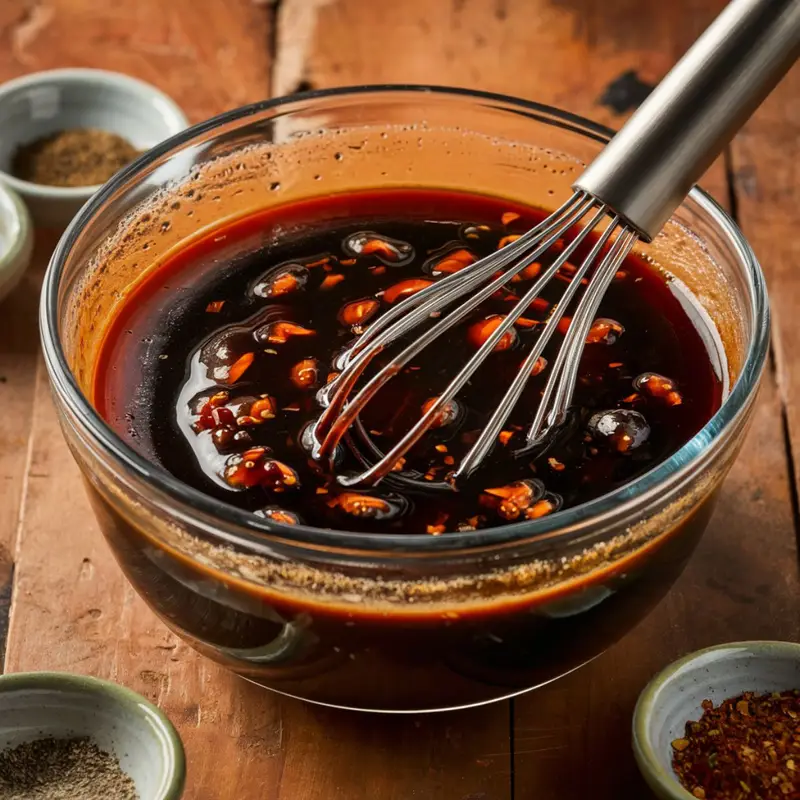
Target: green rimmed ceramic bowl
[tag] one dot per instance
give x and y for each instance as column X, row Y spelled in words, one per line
column 34, row 705
column 675, row 694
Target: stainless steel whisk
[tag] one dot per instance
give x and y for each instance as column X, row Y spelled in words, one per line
column 627, row 193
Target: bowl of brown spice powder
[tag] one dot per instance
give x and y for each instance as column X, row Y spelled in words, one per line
column 723, row 724
column 64, row 133
column 71, row 737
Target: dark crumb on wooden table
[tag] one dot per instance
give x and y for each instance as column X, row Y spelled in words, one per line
column 625, row 93
column 62, row 769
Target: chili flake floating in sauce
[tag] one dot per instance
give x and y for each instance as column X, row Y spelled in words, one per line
column 747, row 747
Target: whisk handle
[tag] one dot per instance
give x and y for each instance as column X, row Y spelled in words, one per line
column 648, row 168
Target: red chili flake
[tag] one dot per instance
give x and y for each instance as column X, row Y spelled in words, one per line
column 453, row 262
column 539, row 304
column 541, row 508
column 621, row 275
column 539, row 366
column 305, row 374
column 287, row 280
column 263, row 408
column 319, row 262
column 446, row 414
column 399, row 465
column 441, row 448
column 280, row 332
column 364, row 506
column 530, row 272
column 332, row 280
column 604, row 331
column 240, row 366
column 253, row 468
column 405, row 289
column 747, row 747
column 348, row 262
column 632, row 398
column 480, row 331
column 390, row 251
column 358, row 312
column 449, row 460
column 506, row 240
column 615, row 365
column 439, row 525
column 563, row 324
column 504, row 437
column 509, row 217
column 555, row 464
column 215, row 306
column 279, row 515
column 512, row 499
column 659, row 388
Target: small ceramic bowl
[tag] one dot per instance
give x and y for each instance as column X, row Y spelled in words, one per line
column 674, row 696
column 34, row 705
column 43, row 103
column 16, row 239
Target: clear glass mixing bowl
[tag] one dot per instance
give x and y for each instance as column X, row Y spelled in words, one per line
column 373, row 621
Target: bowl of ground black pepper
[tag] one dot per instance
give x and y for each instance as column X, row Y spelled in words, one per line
column 71, row 737
column 723, row 724
column 64, row 133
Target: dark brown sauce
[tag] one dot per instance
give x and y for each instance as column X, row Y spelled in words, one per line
column 213, row 365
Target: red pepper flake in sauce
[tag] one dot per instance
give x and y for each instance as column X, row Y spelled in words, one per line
column 555, row 465
column 284, row 281
column 508, row 217
column 240, row 366
column 453, row 262
column 658, row 387
column 539, row 366
column 512, row 499
column 506, row 240
column 329, row 281
column 305, row 374
column 480, row 331
column 504, row 437
column 358, row 312
column 530, row 272
column 747, row 748
column 253, row 468
column 364, row 506
column 280, row 332
column 547, row 505
column 390, row 251
column 563, row 325
column 604, row 331
column 279, row 515
column 447, row 414
column 215, row 306
column 405, row 289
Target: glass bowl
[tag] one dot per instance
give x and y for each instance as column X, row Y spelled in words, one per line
column 370, row 621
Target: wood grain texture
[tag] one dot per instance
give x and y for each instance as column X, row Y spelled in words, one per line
column 767, row 180
column 563, row 52
column 208, row 55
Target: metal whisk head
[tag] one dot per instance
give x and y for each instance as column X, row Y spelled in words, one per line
column 449, row 301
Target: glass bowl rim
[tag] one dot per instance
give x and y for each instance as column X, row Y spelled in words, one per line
column 251, row 529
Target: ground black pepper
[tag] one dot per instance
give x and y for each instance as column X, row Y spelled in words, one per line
column 78, row 157
column 748, row 748
column 62, row 769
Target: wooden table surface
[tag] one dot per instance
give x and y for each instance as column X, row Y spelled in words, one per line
column 65, row 601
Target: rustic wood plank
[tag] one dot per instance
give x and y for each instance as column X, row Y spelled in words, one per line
column 567, row 54
column 209, row 56
column 767, row 181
